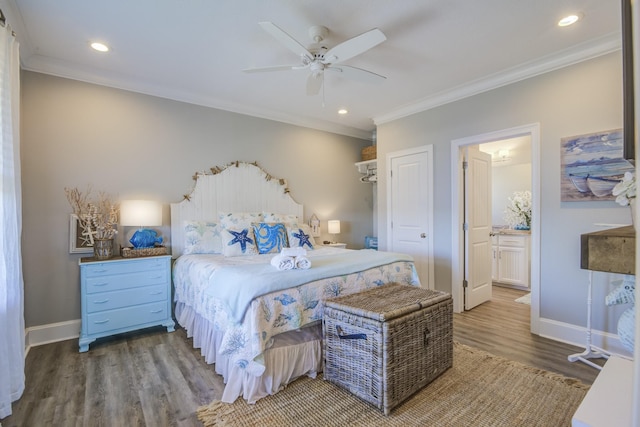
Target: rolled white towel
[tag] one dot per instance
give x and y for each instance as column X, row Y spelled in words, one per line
column 298, row 251
column 282, row 262
column 303, row 263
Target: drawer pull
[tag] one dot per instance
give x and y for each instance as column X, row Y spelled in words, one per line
column 100, row 271
column 100, row 322
column 156, row 311
column 101, row 284
column 101, row 302
column 156, row 293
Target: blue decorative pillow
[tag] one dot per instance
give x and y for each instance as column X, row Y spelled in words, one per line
column 300, row 236
column 238, row 241
column 270, row 238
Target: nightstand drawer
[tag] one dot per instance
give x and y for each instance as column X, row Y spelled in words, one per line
column 114, row 282
column 97, row 269
column 125, row 298
column 126, row 317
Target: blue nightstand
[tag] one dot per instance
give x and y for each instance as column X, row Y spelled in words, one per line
column 124, row 294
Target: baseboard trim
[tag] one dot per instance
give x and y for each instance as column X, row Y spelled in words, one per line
column 548, row 328
column 53, row 332
column 577, row 335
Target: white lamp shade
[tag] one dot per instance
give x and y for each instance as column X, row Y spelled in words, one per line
column 334, row 226
column 140, row 213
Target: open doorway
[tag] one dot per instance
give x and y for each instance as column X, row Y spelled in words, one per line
column 457, row 209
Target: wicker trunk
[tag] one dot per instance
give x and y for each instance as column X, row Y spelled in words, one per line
column 386, row 343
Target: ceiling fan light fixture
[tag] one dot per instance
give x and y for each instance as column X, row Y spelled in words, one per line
column 568, row 20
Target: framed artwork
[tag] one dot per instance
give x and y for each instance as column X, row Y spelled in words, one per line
column 591, row 165
column 78, row 243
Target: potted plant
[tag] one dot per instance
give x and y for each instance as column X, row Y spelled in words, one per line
column 518, row 213
column 625, row 192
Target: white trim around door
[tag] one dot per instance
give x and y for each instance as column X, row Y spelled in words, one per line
column 457, row 236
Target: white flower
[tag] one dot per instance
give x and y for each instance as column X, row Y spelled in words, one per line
column 518, row 211
column 625, row 190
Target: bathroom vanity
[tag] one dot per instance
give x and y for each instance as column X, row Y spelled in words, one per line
column 511, row 258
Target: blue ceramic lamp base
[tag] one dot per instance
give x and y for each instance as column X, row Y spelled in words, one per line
column 145, row 238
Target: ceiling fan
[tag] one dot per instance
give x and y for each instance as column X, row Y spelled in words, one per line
column 318, row 59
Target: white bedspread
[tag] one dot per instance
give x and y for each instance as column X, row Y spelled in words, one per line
column 237, row 286
column 276, row 312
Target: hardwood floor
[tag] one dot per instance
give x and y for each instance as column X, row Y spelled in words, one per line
column 501, row 326
column 153, row 378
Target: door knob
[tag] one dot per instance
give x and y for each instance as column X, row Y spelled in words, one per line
column 423, row 236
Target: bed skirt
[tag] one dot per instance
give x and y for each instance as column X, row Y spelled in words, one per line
column 290, row 355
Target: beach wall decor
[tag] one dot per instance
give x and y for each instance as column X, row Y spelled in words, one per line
column 591, row 165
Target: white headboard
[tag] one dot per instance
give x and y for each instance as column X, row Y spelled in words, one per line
column 237, row 187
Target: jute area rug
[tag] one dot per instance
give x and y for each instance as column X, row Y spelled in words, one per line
column 479, row 390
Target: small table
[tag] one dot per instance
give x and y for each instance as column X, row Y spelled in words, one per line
column 337, row 245
column 610, row 251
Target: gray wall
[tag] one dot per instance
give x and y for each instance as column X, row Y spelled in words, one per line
column 580, row 99
column 131, row 145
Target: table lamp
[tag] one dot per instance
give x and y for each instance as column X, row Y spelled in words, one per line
column 142, row 213
column 333, row 226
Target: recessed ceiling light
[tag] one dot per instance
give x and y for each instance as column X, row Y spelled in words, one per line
column 568, row 20
column 100, row 47
column 342, row 111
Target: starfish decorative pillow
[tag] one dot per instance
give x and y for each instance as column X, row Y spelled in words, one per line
column 238, row 242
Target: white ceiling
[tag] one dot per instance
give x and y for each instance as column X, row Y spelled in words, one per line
column 195, row 50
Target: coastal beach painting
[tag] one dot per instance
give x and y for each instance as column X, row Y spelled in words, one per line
column 591, row 165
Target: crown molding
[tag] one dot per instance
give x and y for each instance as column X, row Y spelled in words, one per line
column 51, row 66
column 609, row 43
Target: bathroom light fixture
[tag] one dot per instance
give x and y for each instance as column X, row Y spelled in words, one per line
column 100, row 47
column 501, row 155
column 343, row 111
column 568, row 20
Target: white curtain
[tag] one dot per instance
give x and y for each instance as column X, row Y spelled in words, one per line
column 12, row 352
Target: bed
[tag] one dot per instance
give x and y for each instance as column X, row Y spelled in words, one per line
column 260, row 327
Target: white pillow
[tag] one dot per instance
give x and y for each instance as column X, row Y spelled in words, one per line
column 201, row 237
column 299, row 235
column 283, row 218
column 239, row 219
column 238, row 241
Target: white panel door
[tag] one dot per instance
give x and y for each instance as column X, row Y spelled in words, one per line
column 478, row 243
column 410, row 210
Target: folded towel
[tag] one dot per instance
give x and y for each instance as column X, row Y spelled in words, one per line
column 302, row 263
column 299, row 251
column 282, row 262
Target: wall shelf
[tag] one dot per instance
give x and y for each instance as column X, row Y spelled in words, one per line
column 367, row 166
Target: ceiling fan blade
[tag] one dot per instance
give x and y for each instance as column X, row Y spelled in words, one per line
column 314, row 83
column 284, row 38
column 272, row 68
column 355, row 73
column 354, row 46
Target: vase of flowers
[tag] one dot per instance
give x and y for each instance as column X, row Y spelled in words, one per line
column 625, row 192
column 518, row 212
column 98, row 219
